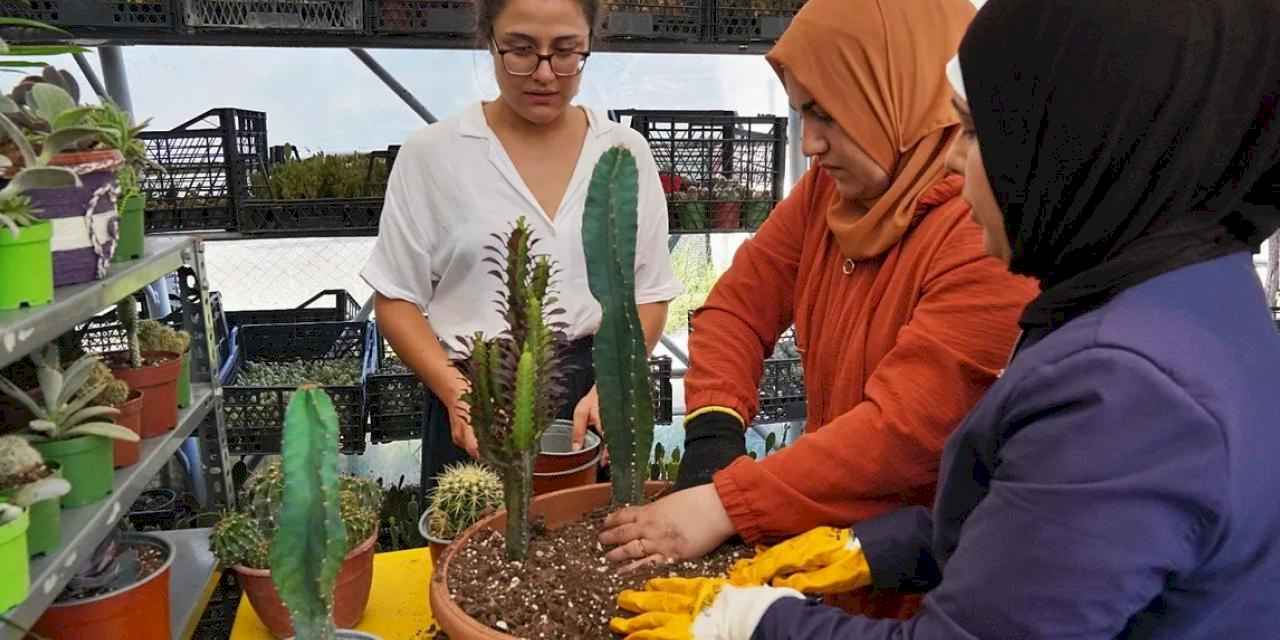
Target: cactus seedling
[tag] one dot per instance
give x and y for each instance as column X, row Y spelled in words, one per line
column 517, row 380
column 127, row 309
column 619, row 353
column 463, row 494
column 154, row 335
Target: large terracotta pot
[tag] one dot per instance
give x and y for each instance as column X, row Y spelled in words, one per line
column 130, row 417
column 350, row 593
column 139, row 611
column 559, row 509
column 159, row 385
column 558, row 466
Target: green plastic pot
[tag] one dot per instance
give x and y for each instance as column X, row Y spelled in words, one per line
column 184, row 382
column 30, row 255
column 44, row 533
column 14, row 574
column 87, row 463
column 132, row 224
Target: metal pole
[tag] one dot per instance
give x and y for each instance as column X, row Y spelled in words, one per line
column 797, row 164
column 90, row 75
column 117, row 80
column 394, row 85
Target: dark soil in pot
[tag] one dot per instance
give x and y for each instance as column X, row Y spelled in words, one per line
column 566, row 590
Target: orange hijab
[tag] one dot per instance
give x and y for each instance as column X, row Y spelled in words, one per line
column 879, row 68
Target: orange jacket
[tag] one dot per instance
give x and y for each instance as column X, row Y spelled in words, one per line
column 895, row 354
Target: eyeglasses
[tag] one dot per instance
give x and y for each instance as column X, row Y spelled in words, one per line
column 524, row 61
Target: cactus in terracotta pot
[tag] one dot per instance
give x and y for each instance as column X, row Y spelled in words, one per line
column 517, row 381
column 127, row 310
column 619, row 353
column 463, row 494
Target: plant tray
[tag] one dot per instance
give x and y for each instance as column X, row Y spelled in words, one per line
column 680, row 20
column 752, row 20
column 344, row 308
column 329, row 216
column 277, row 15
column 116, row 14
column 207, row 162
column 254, row 415
column 438, row 17
column 721, row 172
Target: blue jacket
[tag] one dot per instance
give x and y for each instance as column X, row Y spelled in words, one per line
column 1119, row 481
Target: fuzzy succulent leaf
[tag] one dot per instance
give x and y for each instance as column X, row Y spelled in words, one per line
column 609, row 228
column 108, row 430
column 10, row 389
column 311, row 542
column 40, row 490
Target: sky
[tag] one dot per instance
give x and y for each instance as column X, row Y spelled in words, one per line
column 327, row 100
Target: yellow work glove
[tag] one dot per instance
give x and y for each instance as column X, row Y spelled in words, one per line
column 821, row 561
column 694, row 609
column 666, row 608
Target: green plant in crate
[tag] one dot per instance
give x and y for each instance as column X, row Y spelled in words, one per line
column 620, row 356
column 463, row 494
column 341, row 175
column 690, row 209
column 517, row 380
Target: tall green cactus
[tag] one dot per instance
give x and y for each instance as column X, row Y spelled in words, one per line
column 518, row 379
column 311, row 539
column 621, row 358
column 127, row 309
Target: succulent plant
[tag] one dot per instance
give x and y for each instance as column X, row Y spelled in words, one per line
column 9, row 513
column 609, row 227
column 462, row 495
column 17, row 211
column 154, row 335
column 338, row 371
column 65, row 409
column 118, row 132
column 127, row 310
column 48, row 106
column 517, row 379
column 22, row 468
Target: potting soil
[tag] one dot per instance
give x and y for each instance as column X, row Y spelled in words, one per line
column 567, row 589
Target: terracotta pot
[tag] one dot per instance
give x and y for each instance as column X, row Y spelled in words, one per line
column 159, row 385
column 558, row 466
column 726, row 215
column 559, row 509
column 350, row 593
column 139, row 611
column 130, row 417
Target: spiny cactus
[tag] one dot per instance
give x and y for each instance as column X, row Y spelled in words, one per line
column 619, row 352
column 127, row 309
column 20, row 463
column 312, row 540
column 518, row 379
column 154, row 335
column 115, row 392
column 336, row 371
column 238, row 539
column 462, row 495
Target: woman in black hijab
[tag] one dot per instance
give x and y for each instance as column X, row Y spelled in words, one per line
column 1119, row 479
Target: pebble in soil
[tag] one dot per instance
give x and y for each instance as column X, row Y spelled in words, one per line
column 566, row 589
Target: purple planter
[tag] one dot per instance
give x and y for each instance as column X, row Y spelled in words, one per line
column 85, row 221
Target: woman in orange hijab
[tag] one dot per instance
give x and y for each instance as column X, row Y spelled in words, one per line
column 902, row 319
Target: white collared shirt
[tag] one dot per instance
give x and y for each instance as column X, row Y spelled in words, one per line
column 453, row 185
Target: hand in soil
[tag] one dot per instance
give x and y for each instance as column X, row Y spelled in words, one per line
column 695, row 609
column 662, row 531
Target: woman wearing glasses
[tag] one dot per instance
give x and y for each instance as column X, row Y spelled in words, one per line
column 528, row 153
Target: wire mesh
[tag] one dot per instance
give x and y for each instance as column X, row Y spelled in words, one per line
column 440, row 17
column 310, row 15
column 752, row 20
column 682, row 20
column 92, row 13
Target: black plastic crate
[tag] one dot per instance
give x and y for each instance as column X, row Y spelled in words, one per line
column 254, row 414
column 115, row 14
column 679, row 20
column 207, row 162
column 344, row 307
column 781, row 393
column 747, row 21
column 660, row 383
column 346, row 16
column 347, row 216
column 436, row 17
column 721, row 172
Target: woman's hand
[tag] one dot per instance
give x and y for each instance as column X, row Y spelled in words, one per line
column 586, row 415
column 668, row 530
column 460, row 421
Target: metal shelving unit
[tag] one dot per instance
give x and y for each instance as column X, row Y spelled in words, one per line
column 191, row 580
column 83, row 528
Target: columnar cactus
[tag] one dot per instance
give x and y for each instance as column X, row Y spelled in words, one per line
column 462, row 495
column 517, row 380
column 620, row 354
column 127, row 309
column 311, row 540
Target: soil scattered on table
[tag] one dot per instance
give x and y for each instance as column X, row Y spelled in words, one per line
column 565, row 590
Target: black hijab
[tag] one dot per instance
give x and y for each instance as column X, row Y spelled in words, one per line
column 1125, row 138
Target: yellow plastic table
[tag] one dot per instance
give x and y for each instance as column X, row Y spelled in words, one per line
column 398, row 607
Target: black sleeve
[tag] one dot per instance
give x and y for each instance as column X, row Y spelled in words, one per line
column 711, row 441
column 899, row 549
